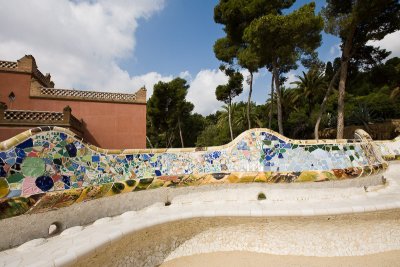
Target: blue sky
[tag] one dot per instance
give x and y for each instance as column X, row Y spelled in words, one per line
column 181, row 37
column 178, row 38
column 121, row 45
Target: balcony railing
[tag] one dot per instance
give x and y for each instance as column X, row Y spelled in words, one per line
column 30, row 118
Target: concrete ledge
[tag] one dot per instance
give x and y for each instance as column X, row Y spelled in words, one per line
column 149, row 240
column 27, row 227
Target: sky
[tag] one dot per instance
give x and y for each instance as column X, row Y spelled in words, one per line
column 121, row 45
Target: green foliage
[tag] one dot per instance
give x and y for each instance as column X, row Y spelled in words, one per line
column 249, row 59
column 240, row 117
column 380, row 104
column 193, row 125
column 258, row 34
column 233, row 88
column 329, row 71
column 312, row 62
column 166, row 108
column 217, row 130
column 378, row 101
column 282, row 39
column 227, row 92
column 236, row 15
column 356, row 23
column 299, row 124
column 369, row 99
column 373, row 19
column 310, row 89
column 225, row 50
column 213, row 135
column 386, row 73
column 362, row 83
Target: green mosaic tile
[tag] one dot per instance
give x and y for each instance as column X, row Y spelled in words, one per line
column 33, row 167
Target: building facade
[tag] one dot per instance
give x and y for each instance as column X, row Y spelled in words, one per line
column 29, row 99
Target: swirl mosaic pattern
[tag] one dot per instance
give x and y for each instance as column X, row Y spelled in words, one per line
column 48, row 168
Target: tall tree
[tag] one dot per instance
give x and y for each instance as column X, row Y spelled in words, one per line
column 240, row 117
column 249, row 60
column 309, row 87
column 227, row 92
column 271, row 103
column 281, row 40
column 329, row 71
column 313, row 63
column 356, row 22
column 236, row 15
column 167, row 107
column 325, row 100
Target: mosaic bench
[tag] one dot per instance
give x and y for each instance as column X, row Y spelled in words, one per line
column 48, row 168
column 390, row 149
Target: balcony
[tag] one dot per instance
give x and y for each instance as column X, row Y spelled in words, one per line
column 29, row 118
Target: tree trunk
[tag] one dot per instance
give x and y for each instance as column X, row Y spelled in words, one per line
column 169, row 140
column 230, row 119
column 180, row 131
column 148, row 140
column 272, row 102
column 342, row 82
column 278, row 99
column 342, row 87
column 323, row 104
column 249, row 99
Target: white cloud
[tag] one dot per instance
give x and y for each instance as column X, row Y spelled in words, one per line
column 335, row 50
column 391, row 42
column 202, row 88
column 332, row 50
column 202, row 91
column 291, row 77
column 246, row 87
column 122, row 82
column 78, row 42
column 185, row 75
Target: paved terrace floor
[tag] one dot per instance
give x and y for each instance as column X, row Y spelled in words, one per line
column 76, row 243
column 254, row 259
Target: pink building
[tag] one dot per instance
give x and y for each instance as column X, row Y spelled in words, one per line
column 28, row 99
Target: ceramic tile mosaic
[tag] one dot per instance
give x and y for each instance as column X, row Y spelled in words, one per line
column 390, row 149
column 48, row 168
